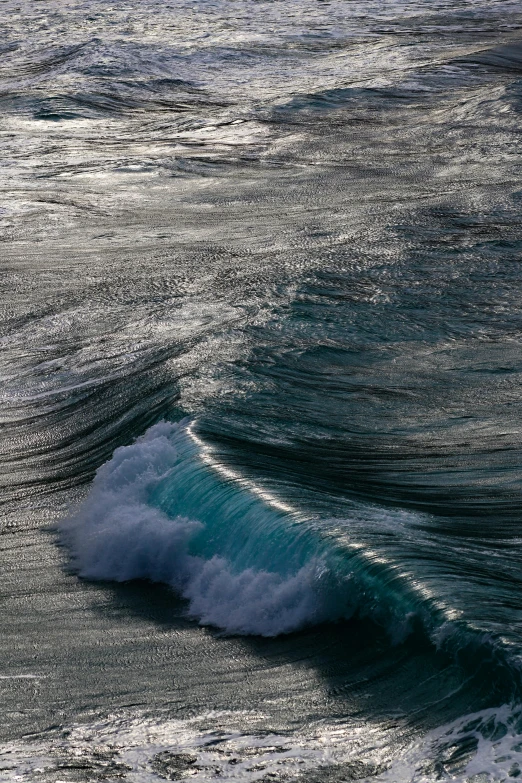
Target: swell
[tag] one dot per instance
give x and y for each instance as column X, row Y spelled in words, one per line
column 165, row 510
column 507, row 57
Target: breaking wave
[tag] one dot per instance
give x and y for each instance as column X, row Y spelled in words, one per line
column 164, row 509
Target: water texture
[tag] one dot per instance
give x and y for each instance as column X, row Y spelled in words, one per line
column 260, row 376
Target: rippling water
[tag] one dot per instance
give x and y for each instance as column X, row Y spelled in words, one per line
column 260, row 374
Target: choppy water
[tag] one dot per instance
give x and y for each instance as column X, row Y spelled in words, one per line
column 260, row 373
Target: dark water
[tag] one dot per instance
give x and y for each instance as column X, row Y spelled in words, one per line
column 261, row 262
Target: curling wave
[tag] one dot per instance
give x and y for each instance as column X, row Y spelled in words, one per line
column 166, row 510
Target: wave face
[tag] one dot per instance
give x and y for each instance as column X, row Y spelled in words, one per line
column 166, row 509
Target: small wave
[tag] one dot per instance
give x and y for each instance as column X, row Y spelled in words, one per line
column 507, row 57
column 163, row 509
column 479, row 747
column 212, row 746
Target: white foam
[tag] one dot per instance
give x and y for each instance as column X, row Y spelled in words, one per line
column 494, row 751
column 220, row 749
column 216, row 745
column 20, row 677
column 252, row 602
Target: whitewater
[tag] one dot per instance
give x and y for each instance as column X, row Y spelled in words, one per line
column 260, row 376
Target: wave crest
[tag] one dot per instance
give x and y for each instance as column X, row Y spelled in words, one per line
column 162, row 510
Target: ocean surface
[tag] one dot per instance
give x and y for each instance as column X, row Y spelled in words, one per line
column 261, row 391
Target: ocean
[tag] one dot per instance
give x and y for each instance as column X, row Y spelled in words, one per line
column 260, row 371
